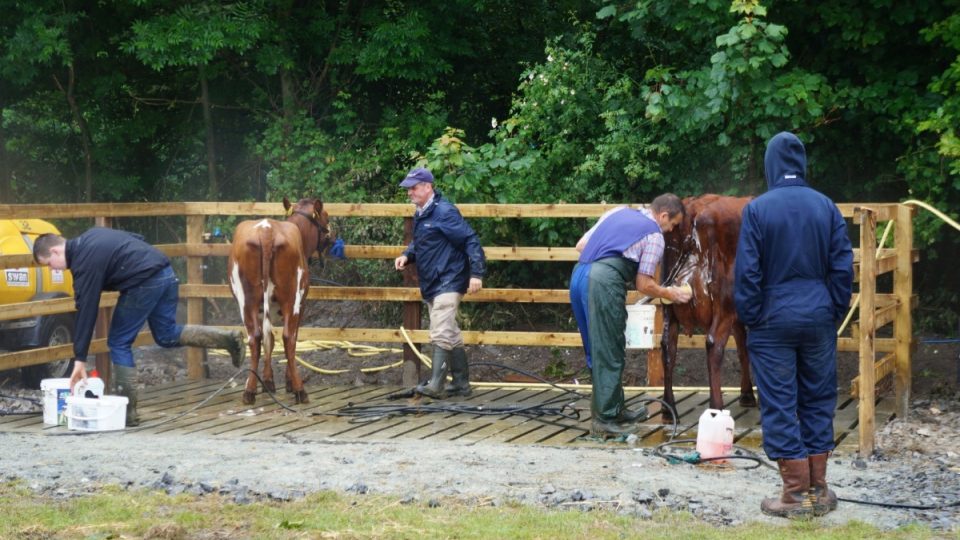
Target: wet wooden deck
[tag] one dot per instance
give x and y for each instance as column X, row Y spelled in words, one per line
column 187, row 407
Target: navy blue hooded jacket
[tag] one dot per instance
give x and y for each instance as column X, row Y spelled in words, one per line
column 794, row 262
column 445, row 249
column 106, row 260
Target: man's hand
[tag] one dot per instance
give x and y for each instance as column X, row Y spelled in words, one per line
column 475, row 285
column 400, row 262
column 680, row 295
column 79, row 373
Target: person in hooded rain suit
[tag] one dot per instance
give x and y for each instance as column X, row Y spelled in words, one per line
column 793, row 280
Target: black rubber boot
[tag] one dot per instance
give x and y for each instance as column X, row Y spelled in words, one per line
column 125, row 384
column 211, row 337
column 460, row 370
column 434, row 387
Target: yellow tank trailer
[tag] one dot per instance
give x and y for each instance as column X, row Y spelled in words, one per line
column 30, row 283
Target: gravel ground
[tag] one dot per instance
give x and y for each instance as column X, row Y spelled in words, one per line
column 917, row 461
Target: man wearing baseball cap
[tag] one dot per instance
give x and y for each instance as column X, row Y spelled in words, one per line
column 450, row 262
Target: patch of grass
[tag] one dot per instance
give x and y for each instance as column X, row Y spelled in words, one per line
column 115, row 513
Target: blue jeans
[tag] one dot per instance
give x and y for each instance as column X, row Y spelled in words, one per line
column 153, row 302
column 795, row 370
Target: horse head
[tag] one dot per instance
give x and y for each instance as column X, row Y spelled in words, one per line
column 314, row 224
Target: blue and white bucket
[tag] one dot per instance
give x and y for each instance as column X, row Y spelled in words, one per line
column 55, row 392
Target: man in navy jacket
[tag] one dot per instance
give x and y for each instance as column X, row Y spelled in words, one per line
column 110, row 260
column 450, row 262
column 793, row 280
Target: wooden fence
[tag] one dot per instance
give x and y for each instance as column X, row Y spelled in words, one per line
column 876, row 309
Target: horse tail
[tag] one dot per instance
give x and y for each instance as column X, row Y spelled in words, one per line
column 266, row 263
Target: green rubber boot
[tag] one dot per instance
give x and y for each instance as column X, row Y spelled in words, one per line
column 125, row 384
column 211, row 337
column 460, row 370
column 435, row 387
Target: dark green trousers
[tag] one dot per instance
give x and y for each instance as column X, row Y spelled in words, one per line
column 600, row 288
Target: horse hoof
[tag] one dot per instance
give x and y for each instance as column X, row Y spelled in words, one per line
column 748, row 400
column 249, row 398
column 289, row 388
column 269, row 386
column 301, row 396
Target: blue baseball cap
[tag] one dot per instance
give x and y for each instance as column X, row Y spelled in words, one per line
column 416, row 176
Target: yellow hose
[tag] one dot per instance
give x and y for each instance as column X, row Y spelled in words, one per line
column 934, row 211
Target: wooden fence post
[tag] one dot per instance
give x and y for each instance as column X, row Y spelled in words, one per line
column 903, row 325
column 868, row 289
column 196, row 358
column 412, row 312
column 102, row 327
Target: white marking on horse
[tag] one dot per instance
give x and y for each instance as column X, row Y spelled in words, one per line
column 263, row 224
column 237, row 287
column 300, row 291
column 267, row 294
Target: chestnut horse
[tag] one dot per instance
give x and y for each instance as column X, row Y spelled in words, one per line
column 700, row 252
column 269, row 277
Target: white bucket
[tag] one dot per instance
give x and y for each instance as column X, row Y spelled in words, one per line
column 640, row 326
column 106, row 413
column 55, row 392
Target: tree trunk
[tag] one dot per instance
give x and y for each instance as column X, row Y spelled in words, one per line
column 213, row 190
column 84, row 132
column 6, row 190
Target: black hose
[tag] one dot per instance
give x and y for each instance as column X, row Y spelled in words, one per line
column 904, row 506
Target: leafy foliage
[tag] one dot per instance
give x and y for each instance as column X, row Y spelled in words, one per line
column 539, row 101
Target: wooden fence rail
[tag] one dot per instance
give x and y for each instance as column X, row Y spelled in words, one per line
column 875, row 309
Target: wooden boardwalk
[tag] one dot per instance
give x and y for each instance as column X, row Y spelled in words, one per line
column 196, row 407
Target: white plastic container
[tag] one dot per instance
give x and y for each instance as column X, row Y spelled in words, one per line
column 101, row 413
column 90, row 387
column 640, row 326
column 715, row 434
column 55, row 392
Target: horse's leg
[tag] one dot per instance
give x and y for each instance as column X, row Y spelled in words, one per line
column 268, row 384
column 747, row 398
column 717, row 339
column 294, row 382
column 254, row 326
column 255, row 333
column 668, row 356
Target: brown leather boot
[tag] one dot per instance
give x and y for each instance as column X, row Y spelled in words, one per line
column 824, row 499
column 795, row 500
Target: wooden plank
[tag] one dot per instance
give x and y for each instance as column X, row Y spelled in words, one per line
column 879, row 211
column 903, row 323
column 400, row 294
column 884, row 211
column 314, row 420
column 883, row 367
column 49, row 307
column 885, row 264
column 868, row 287
column 507, row 423
column 31, row 357
column 492, row 253
column 469, row 424
column 401, row 426
column 263, row 423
